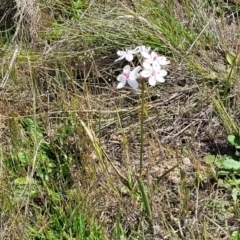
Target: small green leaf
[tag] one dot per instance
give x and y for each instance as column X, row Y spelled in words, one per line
column 145, row 199
column 235, row 235
column 225, row 183
column 22, row 157
column 235, row 194
column 32, row 128
column 231, row 139
column 230, row 164
column 65, row 169
column 212, row 159
column 237, row 153
column 23, row 180
column 209, row 159
column 233, row 181
column 223, row 173
column 230, row 58
column 54, row 196
column 211, row 75
column 234, row 140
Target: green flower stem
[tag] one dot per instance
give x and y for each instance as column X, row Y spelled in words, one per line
column 227, row 84
column 141, row 133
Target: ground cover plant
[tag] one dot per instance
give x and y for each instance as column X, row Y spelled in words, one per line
column 88, row 154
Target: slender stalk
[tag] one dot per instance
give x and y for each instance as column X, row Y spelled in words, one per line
column 233, row 65
column 227, row 84
column 141, row 131
column 143, row 191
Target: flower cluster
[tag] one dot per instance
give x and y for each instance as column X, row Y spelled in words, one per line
column 151, row 66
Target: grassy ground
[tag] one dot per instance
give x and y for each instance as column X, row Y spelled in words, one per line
column 70, row 141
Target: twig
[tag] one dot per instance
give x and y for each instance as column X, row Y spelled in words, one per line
column 217, row 225
column 4, row 81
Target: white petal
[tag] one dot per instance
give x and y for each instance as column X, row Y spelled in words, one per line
column 148, row 49
column 129, row 57
column 146, row 73
column 120, row 53
column 163, row 73
column 133, row 84
column 134, row 73
column 152, row 81
column 121, row 84
column 147, row 65
column 121, row 78
column 160, row 79
column 145, row 49
column 156, row 66
column 163, row 60
column 136, row 50
column 153, row 54
column 127, row 68
column 120, row 58
column 133, row 77
column 136, row 70
column 145, row 55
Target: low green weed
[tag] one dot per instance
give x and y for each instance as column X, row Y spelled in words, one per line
column 78, row 7
column 231, row 75
column 58, row 227
column 229, row 165
column 42, row 184
column 235, row 235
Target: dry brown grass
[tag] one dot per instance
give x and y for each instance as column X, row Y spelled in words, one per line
column 28, row 16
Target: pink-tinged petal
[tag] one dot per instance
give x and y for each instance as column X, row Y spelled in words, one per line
column 121, row 78
column 153, row 55
column 152, row 81
column 162, row 72
column 163, row 60
column 156, row 66
column 146, row 73
column 133, row 84
column 121, row 84
column 160, row 79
